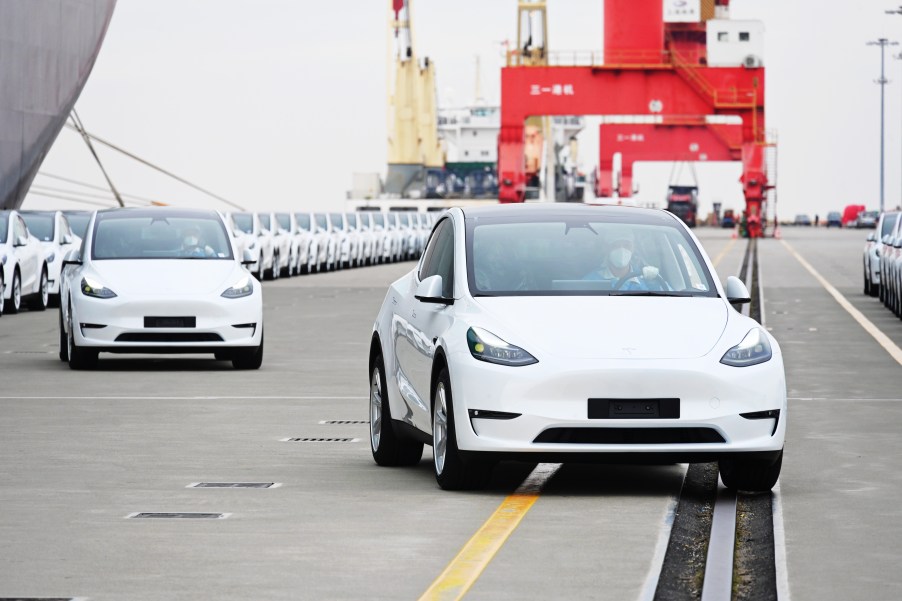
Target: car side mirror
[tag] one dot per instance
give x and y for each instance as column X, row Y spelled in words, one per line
column 430, row 291
column 872, row 237
column 21, row 241
column 67, row 239
column 737, row 293
column 247, row 258
column 73, row 257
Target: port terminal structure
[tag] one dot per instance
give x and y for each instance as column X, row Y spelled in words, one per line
column 688, row 71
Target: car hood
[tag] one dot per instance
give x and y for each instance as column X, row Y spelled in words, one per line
column 167, row 277
column 601, row 327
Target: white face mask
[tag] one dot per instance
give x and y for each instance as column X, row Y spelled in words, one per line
column 191, row 241
column 620, row 257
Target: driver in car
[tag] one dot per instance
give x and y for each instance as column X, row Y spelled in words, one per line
column 192, row 245
column 622, row 268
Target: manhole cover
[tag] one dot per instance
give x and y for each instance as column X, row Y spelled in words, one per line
column 234, row 485
column 344, row 421
column 178, row 515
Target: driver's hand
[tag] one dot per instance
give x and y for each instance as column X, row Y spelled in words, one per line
column 650, row 272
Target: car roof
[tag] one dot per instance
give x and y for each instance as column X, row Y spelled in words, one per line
column 560, row 209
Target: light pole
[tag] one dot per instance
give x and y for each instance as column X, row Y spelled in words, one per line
column 883, row 43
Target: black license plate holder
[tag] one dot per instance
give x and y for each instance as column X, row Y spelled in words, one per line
column 170, row 322
column 634, row 408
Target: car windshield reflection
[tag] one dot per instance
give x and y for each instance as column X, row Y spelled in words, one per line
column 160, row 236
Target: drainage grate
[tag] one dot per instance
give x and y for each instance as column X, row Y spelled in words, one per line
column 234, row 485
column 320, row 440
column 179, row 515
column 344, row 422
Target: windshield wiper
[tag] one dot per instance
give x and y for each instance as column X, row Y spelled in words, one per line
column 649, row 293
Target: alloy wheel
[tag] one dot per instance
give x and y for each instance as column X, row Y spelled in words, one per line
column 440, row 428
column 376, row 409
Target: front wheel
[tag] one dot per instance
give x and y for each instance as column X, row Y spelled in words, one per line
column 79, row 358
column 64, row 343
column 251, row 358
column 454, row 469
column 752, row 472
column 388, row 448
column 15, row 297
column 42, row 298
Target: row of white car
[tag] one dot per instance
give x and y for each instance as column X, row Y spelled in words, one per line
column 284, row 244
column 32, row 247
column 33, row 244
column 883, row 262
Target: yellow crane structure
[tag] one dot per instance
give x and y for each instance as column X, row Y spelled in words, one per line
column 413, row 143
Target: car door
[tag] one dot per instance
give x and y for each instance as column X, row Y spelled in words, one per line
column 29, row 255
column 418, row 325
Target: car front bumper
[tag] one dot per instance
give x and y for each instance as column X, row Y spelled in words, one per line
column 552, row 404
column 118, row 325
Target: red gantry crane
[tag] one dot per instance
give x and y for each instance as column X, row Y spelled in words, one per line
column 696, row 64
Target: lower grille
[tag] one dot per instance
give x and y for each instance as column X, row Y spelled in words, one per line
column 629, row 436
column 180, row 337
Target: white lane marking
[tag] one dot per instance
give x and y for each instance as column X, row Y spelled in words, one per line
column 882, row 339
column 657, row 560
column 780, row 545
column 718, row 583
column 186, row 398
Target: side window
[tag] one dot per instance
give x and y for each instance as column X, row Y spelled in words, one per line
column 439, row 257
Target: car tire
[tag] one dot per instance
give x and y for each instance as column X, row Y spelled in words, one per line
column 750, row 471
column 867, row 285
column 249, row 358
column 15, row 297
column 79, row 358
column 64, row 343
column 2, row 293
column 389, row 449
column 260, row 270
column 454, row 469
column 42, row 298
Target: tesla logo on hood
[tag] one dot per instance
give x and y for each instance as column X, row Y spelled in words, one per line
column 628, row 350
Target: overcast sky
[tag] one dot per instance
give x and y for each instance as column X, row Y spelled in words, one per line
column 275, row 103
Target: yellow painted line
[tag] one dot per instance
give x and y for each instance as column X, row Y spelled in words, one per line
column 724, row 252
column 882, row 339
column 474, row 557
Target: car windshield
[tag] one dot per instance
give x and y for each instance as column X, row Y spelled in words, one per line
column 337, row 222
column 40, row 225
column 321, row 221
column 585, row 255
column 303, row 220
column 144, row 235
column 284, row 221
column 244, row 222
column 352, row 220
column 4, row 225
column 404, row 218
column 379, row 219
column 264, row 220
column 79, row 223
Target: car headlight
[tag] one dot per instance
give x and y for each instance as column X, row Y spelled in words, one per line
column 91, row 287
column 754, row 349
column 3, row 260
column 243, row 287
column 485, row 346
column 51, row 257
column 252, row 245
